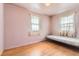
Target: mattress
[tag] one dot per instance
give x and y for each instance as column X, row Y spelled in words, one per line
column 66, row 40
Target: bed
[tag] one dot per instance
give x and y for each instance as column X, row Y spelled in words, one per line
column 66, row 40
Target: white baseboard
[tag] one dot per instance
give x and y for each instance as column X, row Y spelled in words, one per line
column 23, row 44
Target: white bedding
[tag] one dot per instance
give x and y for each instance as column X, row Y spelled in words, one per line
column 70, row 41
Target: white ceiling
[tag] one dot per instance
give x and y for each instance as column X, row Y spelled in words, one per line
column 54, row 8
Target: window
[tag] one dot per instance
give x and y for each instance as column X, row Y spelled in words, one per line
column 67, row 23
column 35, row 23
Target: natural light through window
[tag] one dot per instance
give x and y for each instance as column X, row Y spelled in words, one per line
column 35, row 23
column 67, row 23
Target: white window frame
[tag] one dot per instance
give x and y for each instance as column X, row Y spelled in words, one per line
column 34, row 23
column 65, row 26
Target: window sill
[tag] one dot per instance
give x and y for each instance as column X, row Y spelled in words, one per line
column 34, row 34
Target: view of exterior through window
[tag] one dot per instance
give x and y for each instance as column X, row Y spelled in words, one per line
column 35, row 23
column 67, row 24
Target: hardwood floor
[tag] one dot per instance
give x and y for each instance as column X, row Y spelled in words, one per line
column 44, row 48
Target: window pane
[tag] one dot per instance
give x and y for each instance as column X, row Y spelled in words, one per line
column 35, row 23
column 67, row 23
column 35, row 27
column 65, row 20
column 70, row 19
column 62, row 20
column 71, row 29
column 35, row 20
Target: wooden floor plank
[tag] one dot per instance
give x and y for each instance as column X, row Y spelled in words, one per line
column 44, row 48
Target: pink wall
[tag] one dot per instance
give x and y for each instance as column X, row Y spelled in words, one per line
column 17, row 27
column 55, row 20
column 1, row 29
column 55, row 25
column 77, row 22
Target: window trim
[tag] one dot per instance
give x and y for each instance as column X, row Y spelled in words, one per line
column 70, row 33
column 35, row 24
